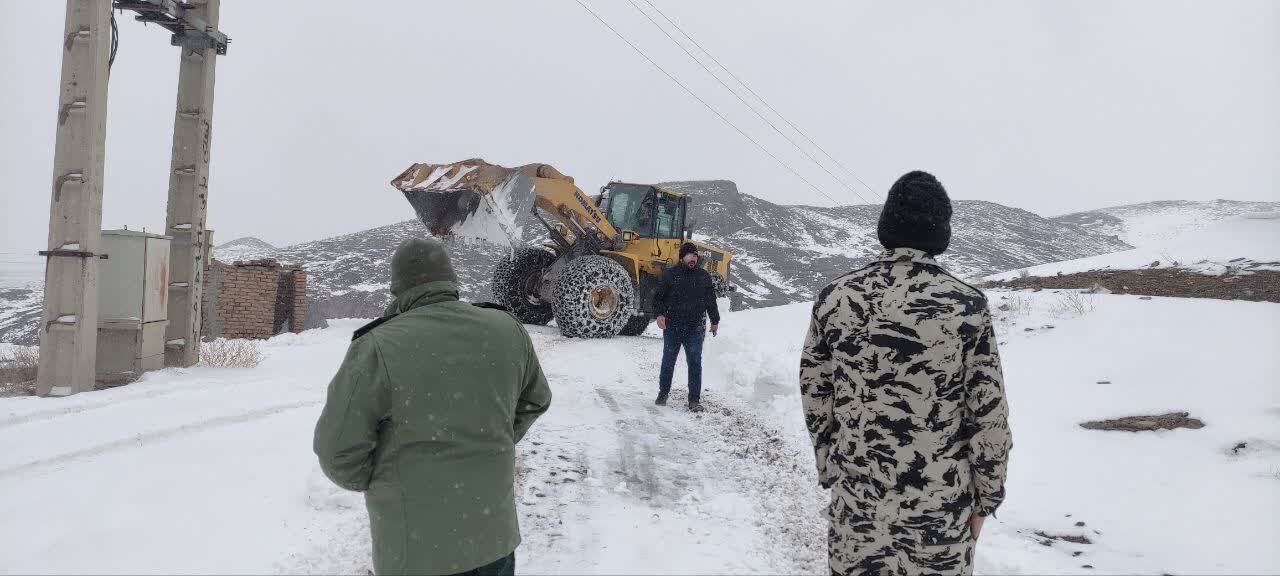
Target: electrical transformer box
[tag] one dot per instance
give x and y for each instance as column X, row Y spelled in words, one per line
column 133, row 304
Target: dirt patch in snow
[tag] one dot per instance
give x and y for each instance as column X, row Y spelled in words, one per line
column 1168, row 421
column 772, row 468
column 18, row 371
column 1048, row 539
column 9, row 390
column 1260, row 286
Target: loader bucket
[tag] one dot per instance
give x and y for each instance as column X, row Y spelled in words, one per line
column 472, row 199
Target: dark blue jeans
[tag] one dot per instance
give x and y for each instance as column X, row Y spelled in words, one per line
column 505, row 566
column 690, row 336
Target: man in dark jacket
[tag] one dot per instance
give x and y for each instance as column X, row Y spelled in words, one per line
column 903, row 395
column 686, row 297
column 423, row 417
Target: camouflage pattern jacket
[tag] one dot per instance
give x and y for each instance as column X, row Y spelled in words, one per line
column 903, row 396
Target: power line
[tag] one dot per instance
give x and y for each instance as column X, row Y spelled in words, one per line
column 759, row 97
column 735, row 93
column 704, row 103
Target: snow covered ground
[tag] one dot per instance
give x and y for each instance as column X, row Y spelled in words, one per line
column 210, row 470
column 1238, row 244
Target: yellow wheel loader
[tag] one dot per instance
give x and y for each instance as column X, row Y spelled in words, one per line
column 599, row 270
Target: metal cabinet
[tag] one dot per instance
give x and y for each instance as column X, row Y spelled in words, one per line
column 133, row 306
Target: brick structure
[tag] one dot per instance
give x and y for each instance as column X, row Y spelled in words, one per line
column 256, row 299
column 291, row 301
column 299, row 317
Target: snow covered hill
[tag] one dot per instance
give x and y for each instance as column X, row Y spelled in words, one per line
column 782, row 254
column 21, row 296
column 791, row 252
column 247, row 248
column 1152, row 223
column 1230, row 245
column 210, row 470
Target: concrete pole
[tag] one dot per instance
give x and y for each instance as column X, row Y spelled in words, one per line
column 188, row 195
column 69, row 332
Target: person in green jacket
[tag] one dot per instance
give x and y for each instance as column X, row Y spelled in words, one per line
column 423, row 417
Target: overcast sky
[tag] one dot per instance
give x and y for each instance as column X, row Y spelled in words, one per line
column 1051, row 106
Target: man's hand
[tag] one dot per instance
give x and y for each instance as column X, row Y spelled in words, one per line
column 662, row 322
column 975, row 524
column 715, row 328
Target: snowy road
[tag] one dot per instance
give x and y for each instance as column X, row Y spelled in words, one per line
column 610, row 482
column 211, row 471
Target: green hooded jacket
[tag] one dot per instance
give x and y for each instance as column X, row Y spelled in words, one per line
column 423, row 417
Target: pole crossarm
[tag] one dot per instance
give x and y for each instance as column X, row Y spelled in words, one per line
column 189, row 29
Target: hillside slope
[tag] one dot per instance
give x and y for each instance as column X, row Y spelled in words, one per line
column 782, row 254
column 1150, row 223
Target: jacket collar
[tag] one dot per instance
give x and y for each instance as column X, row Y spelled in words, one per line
column 907, row 255
column 422, row 295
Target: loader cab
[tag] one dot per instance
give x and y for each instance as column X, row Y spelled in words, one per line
column 648, row 211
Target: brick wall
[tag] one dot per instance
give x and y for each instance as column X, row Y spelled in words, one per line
column 210, row 320
column 291, row 301
column 256, row 299
column 298, row 318
column 247, row 304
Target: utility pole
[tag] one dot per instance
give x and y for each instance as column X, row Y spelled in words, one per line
column 69, row 332
column 189, row 191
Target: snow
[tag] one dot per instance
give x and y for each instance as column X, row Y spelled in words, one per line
column 248, row 248
column 210, row 470
column 1238, row 244
column 765, row 272
column 495, row 219
column 21, row 270
column 1143, row 225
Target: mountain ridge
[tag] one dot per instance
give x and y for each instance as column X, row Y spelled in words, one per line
column 782, row 253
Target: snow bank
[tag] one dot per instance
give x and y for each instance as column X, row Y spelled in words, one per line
column 757, row 354
column 1237, row 244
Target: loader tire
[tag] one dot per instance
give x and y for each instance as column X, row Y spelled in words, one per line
column 721, row 286
column 515, row 283
column 594, row 298
column 635, row 326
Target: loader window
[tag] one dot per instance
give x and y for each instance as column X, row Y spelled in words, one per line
column 670, row 217
column 630, row 207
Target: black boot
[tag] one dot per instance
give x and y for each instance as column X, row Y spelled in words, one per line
column 662, row 399
column 695, row 406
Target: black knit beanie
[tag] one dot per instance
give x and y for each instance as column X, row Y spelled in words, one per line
column 688, row 248
column 916, row 214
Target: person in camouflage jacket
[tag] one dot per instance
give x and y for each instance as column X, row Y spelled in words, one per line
column 903, row 397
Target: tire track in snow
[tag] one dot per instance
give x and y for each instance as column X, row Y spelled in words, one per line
column 125, row 396
column 148, row 438
column 750, row 458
